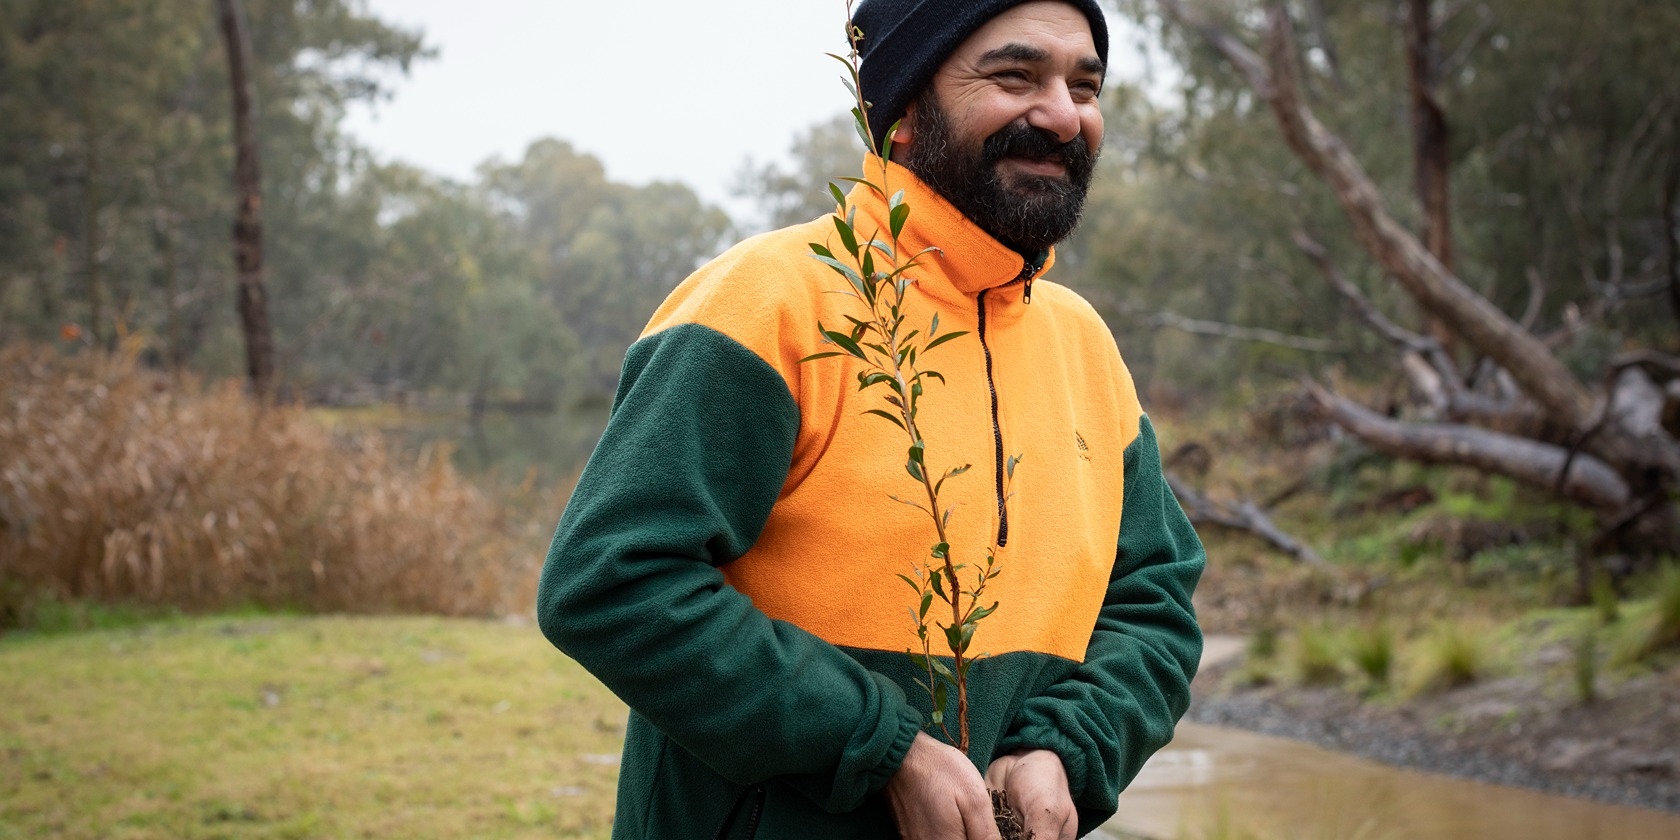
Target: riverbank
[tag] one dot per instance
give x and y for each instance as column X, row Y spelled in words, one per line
column 1513, row 730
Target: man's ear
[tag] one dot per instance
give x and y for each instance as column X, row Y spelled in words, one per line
column 905, row 129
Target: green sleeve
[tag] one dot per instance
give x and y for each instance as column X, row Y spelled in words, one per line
column 697, row 450
column 1116, row 709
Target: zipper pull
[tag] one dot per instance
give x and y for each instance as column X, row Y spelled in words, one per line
column 1026, row 291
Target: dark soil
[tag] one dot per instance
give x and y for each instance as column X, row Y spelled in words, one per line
column 1008, row 821
column 1622, row 748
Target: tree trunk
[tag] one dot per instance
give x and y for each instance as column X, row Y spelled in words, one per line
column 247, row 226
column 90, row 244
column 1430, row 152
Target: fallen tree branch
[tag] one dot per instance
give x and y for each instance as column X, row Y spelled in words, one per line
column 1470, row 315
column 1260, row 335
column 1575, row 475
column 1240, row 516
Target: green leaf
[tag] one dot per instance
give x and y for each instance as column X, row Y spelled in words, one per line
column 867, row 378
column 940, row 668
column 846, row 343
column 845, row 271
column 847, row 237
column 815, row 356
column 938, row 583
column 916, row 451
column 933, row 329
column 954, row 638
column 822, row 251
column 886, row 154
column 900, row 214
column 914, row 469
column 839, row 194
column 941, row 551
column 942, row 339
column 1010, row 468
column 879, row 413
column 927, row 603
column 913, row 585
column 982, row 612
column 861, row 125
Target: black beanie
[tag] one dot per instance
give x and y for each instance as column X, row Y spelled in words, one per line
column 905, row 42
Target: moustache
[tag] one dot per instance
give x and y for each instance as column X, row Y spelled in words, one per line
column 1025, row 141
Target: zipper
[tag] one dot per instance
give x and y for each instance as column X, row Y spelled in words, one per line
column 758, row 794
column 1028, row 270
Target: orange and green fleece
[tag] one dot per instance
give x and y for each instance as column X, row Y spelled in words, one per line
column 728, row 562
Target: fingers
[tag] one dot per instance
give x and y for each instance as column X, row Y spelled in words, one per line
column 937, row 794
column 1038, row 791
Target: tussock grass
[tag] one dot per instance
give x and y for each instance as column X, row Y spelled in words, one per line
column 1653, row 626
column 1316, row 655
column 304, row 727
column 1371, row 647
column 119, row 485
column 1454, row 654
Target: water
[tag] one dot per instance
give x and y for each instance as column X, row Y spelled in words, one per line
column 1266, row 787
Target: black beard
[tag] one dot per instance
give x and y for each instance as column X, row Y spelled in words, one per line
column 1028, row 213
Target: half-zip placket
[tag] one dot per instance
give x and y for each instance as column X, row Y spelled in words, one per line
column 1028, row 270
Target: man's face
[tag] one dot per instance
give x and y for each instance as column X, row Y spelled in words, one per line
column 1009, row 129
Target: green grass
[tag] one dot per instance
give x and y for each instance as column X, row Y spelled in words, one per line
column 279, row 727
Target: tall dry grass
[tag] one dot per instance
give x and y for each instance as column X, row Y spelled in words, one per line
column 118, row 484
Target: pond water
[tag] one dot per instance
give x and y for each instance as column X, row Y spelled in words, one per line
column 1269, row 787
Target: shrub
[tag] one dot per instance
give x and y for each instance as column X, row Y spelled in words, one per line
column 1453, row 655
column 1658, row 625
column 1586, row 667
column 1316, row 659
column 1372, row 651
column 118, row 485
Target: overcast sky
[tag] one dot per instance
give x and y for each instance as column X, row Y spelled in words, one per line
column 679, row 90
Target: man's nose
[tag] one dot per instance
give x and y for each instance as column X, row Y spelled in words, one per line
column 1056, row 112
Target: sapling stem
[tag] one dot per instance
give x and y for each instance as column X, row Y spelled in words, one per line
column 891, row 356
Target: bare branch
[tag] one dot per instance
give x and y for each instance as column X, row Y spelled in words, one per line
column 1238, row 332
column 1588, row 480
column 1469, row 315
column 1240, row 516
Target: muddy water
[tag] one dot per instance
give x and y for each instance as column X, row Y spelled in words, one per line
column 1278, row 788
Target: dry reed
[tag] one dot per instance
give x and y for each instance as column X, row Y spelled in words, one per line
column 121, row 485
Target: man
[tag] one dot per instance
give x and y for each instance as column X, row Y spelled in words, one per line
column 727, row 564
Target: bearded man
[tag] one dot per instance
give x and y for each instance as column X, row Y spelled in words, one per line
column 727, row 564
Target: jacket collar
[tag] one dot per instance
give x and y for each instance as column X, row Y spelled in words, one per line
column 969, row 260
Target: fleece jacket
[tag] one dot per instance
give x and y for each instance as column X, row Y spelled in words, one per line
column 728, row 564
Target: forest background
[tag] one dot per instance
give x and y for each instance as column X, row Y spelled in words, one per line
column 1401, row 280
column 1529, row 147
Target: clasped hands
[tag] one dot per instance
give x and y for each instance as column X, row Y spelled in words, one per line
column 938, row 795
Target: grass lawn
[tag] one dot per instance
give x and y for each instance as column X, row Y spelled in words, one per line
column 303, row 727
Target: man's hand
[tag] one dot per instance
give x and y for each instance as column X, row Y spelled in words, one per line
column 938, row 795
column 1037, row 785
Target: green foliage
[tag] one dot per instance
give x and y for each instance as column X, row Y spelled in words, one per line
column 1562, row 128
column 1607, row 604
column 521, row 290
column 1316, row 655
column 1371, row 648
column 1585, row 667
column 1453, row 654
column 1655, row 628
column 889, row 353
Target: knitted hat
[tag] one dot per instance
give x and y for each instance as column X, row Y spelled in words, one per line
column 905, row 42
